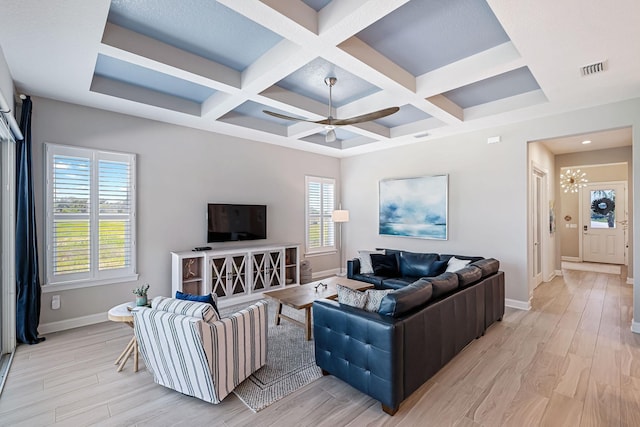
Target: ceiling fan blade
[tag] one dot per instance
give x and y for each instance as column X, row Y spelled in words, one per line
column 365, row 117
column 284, row 117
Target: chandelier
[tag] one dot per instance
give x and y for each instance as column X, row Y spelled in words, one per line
column 572, row 180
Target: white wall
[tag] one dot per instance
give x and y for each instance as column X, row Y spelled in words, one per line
column 179, row 170
column 488, row 185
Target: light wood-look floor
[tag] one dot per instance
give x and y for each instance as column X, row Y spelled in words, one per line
column 571, row 361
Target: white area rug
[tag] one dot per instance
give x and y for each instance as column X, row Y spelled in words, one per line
column 290, row 364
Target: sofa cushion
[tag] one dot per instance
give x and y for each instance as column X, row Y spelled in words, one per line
column 406, row 299
column 351, row 297
column 397, row 282
column 488, row 266
column 365, row 261
column 416, row 264
column 384, row 265
column 369, row 278
column 455, row 264
column 443, row 284
column 196, row 309
column 468, row 275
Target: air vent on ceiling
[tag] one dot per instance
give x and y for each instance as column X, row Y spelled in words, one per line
column 590, row 69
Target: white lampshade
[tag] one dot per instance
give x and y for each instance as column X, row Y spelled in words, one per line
column 340, row 216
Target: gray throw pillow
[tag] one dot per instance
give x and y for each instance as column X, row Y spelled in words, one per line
column 351, row 297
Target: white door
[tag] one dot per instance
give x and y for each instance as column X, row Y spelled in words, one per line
column 604, row 220
column 538, row 225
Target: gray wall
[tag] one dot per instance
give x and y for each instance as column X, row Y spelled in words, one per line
column 179, row 171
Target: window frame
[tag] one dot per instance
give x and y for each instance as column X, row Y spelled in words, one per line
column 323, row 248
column 95, row 276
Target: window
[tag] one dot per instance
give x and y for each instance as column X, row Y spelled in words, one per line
column 90, row 216
column 320, row 196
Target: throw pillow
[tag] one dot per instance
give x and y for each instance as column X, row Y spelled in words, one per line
column 456, row 264
column 365, row 261
column 374, row 298
column 209, row 299
column 384, row 265
column 351, row 297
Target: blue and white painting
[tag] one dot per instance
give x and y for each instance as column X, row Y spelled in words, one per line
column 414, row 207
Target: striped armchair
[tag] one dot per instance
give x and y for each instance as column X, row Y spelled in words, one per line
column 189, row 349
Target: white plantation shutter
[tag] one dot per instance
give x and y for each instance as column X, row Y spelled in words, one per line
column 320, row 229
column 90, row 220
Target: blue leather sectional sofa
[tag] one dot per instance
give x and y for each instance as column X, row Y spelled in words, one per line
column 421, row 325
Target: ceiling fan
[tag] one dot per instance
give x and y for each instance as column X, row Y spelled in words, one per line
column 330, row 123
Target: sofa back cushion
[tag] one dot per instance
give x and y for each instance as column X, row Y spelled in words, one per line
column 468, row 275
column 417, row 264
column 488, row 266
column 443, row 284
column 404, row 300
column 384, row 265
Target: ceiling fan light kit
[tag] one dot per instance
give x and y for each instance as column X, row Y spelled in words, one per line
column 330, row 122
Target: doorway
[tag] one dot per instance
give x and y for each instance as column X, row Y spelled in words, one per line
column 538, row 195
column 604, row 222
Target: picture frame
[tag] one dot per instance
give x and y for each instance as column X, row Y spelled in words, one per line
column 414, row 207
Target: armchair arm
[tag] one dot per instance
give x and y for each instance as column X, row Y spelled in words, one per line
column 236, row 346
column 353, row 267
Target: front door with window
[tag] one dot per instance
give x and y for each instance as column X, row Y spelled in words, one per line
column 604, row 221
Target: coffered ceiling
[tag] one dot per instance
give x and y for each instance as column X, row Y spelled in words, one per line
column 450, row 65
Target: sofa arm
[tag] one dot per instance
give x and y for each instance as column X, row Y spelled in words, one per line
column 236, row 346
column 353, row 267
column 361, row 348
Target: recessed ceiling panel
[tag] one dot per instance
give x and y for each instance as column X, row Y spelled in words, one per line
column 316, row 4
column 125, row 72
column 502, row 86
column 407, row 114
column 424, row 35
column 202, row 27
column 309, row 81
column 253, row 109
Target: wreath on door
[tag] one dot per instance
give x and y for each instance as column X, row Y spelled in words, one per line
column 603, row 206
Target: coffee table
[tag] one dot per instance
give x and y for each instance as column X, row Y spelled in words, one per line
column 302, row 297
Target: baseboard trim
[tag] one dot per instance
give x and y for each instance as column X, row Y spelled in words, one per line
column 635, row 327
column 551, row 277
column 559, row 273
column 76, row 322
column 571, row 258
column 629, row 280
column 326, row 273
column 517, row 304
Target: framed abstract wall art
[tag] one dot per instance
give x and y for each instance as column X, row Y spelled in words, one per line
column 414, row 207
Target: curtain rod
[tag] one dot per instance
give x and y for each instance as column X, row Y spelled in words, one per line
column 6, row 111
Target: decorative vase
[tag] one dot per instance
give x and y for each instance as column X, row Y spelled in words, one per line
column 141, row 300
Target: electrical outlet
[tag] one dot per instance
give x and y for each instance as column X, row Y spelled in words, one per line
column 55, row 302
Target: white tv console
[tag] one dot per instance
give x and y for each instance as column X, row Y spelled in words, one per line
column 236, row 271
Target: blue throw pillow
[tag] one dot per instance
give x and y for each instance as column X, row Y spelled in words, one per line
column 198, row 298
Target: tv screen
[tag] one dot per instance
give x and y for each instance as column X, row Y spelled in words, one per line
column 226, row 222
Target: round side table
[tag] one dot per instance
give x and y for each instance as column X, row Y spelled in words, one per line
column 122, row 313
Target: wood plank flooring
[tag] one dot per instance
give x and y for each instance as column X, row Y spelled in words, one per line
column 570, row 361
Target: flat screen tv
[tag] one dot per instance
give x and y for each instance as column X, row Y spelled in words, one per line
column 227, row 222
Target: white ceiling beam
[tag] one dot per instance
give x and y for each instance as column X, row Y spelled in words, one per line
column 144, row 96
column 416, row 128
column 303, row 129
column 219, row 104
column 513, row 103
column 340, row 20
column 491, row 62
column 447, row 105
column 146, row 52
column 297, row 11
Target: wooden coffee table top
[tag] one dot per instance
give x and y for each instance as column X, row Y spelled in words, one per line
column 303, row 296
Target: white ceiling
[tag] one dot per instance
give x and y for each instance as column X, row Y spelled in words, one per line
column 613, row 138
column 451, row 65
